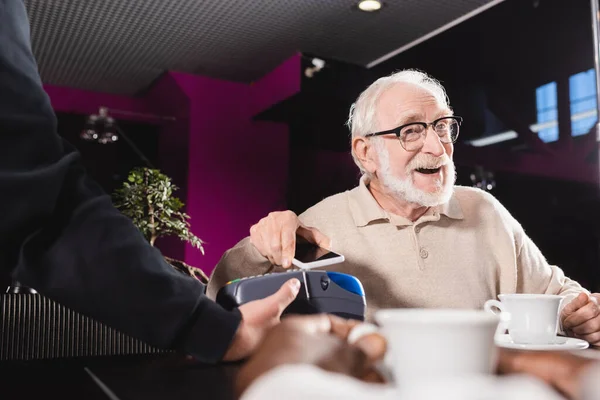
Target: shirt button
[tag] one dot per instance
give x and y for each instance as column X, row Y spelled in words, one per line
column 417, row 229
column 424, row 253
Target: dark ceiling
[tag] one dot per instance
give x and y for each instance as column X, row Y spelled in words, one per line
column 120, row 46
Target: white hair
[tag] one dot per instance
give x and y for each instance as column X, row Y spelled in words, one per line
column 361, row 119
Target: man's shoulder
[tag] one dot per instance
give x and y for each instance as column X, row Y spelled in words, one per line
column 332, row 207
column 470, row 196
column 478, row 203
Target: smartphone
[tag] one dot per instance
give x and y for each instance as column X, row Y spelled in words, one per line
column 309, row 255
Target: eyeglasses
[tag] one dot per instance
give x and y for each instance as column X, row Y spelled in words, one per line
column 412, row 136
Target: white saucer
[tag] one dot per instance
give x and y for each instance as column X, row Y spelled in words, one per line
column 562, row 343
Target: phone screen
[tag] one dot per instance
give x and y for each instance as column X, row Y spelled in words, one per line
column 308, row 252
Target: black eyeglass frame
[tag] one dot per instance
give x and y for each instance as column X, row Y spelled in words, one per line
column 397, row 131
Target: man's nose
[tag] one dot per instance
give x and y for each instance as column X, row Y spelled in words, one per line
column 433, row 145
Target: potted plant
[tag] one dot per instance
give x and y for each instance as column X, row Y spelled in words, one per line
column 147, row 198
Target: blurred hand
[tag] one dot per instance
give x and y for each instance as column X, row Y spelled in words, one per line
column 320, row 340
column 581, row 318
column 561, row 370
column 258, row 317
column 275, row 237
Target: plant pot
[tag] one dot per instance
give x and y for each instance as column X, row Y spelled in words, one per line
column 188, row 270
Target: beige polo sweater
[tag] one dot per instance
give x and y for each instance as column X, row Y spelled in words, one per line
column 457, row 255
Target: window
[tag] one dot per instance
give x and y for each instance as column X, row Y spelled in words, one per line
column 547, row 112
column 582, row 96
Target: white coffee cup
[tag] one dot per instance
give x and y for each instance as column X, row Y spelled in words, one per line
column 533, row 318
column 429, row 343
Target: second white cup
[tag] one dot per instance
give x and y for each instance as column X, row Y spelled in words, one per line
column 532, row 318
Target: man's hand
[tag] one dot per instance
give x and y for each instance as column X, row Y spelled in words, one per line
column 563, row 371
column 581, row 318
column 258, row 317
column 320, row 340
column 275, row 237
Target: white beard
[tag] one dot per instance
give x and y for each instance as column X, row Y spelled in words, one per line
column 405, row 188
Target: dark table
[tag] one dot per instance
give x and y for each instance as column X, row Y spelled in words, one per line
column 117, row 378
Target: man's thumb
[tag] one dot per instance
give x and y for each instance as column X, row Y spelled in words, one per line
column 575, row 304
column 284, row 296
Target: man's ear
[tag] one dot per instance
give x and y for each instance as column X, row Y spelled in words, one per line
column 365, row 153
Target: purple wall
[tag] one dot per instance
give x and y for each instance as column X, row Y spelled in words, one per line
column 231, row 170
column 278, row 85
column 238, row 168
column 75, row 101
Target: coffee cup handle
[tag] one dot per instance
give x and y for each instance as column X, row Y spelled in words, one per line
column 490, row 307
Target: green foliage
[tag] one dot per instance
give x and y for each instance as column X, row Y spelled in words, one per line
column 147, row 198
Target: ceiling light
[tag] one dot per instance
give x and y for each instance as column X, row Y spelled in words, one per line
column 103, row 129
column 369, row 5
column 100, row 128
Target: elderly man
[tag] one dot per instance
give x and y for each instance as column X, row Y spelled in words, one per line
column 407, row 232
